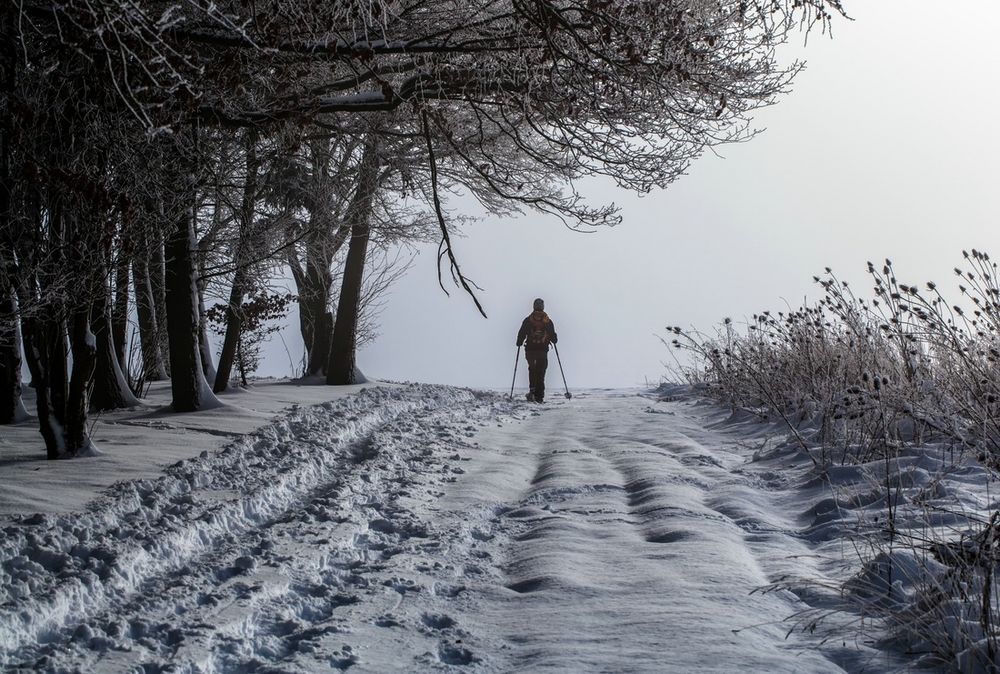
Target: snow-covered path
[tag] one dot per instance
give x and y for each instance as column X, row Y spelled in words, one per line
column 629, row 540
column 383, row 532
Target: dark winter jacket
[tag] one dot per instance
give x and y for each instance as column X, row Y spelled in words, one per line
column 537, row 332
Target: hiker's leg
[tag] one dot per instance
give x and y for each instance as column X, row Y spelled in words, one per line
column 540, row 366
column 532, row 372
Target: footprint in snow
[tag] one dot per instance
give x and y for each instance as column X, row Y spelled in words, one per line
column 455, row 654
column 343, row 659
column 449, row 591
column 437, row 621
column 382, row 526
column 387, row 620
column 403, row 585
column 204, row 599
column 224, row 574
column 286, row 628
column 343, row 599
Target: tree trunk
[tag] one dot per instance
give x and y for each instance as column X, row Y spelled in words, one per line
column 158, row 290
column 204, row 339
column 84, row 348
column 44, row 335
column 343, row 343
column 55, row 345
column 234, row 324
column 305, row 318
column 325, row 236
column 110, row 388
column 241, row 277
column 313, row 286
column 319, row 354
column 206, row 246
column 153, row 368
column 49, row 423
column 187, row 380
column 89, row 291
column 119, row 315
column 320, row 282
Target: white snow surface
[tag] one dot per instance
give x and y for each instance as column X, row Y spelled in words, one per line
column 427, row 528
column 136, row 443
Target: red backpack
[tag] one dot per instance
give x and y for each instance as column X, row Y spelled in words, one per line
column 538, row 334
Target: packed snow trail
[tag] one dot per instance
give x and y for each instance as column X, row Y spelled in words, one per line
column 625, row 538
column 384, row 533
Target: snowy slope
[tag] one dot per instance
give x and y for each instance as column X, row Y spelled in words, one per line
column 425, row 528
column 137, row 443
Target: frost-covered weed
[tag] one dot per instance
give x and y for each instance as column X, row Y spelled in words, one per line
column 885, row 382
column 868, row 375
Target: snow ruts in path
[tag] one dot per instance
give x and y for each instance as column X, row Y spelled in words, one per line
column 193, row 569
column 406, row 530
column 628, row 536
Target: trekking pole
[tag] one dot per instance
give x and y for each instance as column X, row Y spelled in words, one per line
column 517, row 357
column 568, row 394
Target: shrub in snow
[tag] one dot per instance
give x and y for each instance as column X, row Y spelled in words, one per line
column 260, row 314
column 905, row 385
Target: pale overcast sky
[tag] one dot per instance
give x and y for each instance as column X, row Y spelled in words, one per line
column 887, row 146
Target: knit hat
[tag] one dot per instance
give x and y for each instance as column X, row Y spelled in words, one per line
column 539, row 304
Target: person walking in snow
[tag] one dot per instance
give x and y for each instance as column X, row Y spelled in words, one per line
column 536, row 333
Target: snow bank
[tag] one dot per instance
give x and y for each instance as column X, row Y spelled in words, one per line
column 897, row 540
column 137, row 443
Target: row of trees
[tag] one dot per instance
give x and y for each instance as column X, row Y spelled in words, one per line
column 154, row 153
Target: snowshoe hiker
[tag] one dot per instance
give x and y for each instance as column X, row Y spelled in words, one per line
column 536, row 333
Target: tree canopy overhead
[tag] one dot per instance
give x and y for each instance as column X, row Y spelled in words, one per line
column 632, row 89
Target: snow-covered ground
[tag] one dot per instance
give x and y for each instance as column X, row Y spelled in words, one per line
column 137, row 443
column 427, row 528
